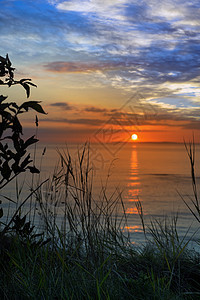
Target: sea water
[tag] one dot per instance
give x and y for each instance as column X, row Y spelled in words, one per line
column 156, row 174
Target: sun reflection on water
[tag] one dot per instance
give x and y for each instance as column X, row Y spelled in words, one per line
column 134, row 187
column 132, row 210
column 135, row 228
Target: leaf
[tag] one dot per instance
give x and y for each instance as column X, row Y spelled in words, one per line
column 27, row 88
column 17, row 127
column 33, row 170
column 30, row 141
column 5, row 170
column 9, row 83
column 34, row 105
column 36, row 121
column 2, row 59
column 27, row 229
column 15, row 105
column 31, row 83
column 3, row 108
column 24, row 79
column 16, row 169
column 26, row 161
column 25, row 83
column 1, row 147
column 13, row 110
column 8, row 61
column 19, row 222
column 2, row 98
column 10, row 154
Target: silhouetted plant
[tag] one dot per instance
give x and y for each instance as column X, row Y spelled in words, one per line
column 14, row 158
column 26, row 234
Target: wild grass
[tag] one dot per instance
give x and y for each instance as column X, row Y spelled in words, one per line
column 81, row 249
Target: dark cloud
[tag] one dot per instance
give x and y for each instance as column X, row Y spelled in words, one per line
column 95, row 109
column 62, row 105
column 92, row 122
column 138, row 14
column 135, row 12
column 123, row 119
column 136, row 112
column 155, row 27
column 192, row 125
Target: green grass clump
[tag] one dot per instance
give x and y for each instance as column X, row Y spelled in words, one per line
column 87, row 254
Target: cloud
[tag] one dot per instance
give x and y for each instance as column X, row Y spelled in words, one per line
column 87, row 109
column 92, row 122
column 192, row 125
column 35, row 29
column 82, row 67
column 166, row 111
column 62, row 105
column 142, row 117
column 150, row 45
column 95, row 109
column 98, row 7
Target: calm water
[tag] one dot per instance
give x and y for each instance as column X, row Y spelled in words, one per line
column 152, row 173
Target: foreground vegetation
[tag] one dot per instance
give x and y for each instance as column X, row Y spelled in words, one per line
column 87, row 253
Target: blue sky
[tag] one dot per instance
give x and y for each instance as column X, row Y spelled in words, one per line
column 99, row 53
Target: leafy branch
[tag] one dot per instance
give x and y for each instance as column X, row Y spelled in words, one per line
column 7, row 71
column 14, row 158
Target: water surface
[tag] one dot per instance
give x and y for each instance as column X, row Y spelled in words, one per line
column 154, row 173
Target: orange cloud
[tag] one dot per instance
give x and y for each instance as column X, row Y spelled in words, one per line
column 82, row 67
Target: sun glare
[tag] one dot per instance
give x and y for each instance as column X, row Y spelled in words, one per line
column 134, row 137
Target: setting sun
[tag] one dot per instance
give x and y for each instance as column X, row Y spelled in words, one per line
column 134, row 137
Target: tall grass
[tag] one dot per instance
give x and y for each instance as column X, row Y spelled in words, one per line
column 68, row 209
column 81, row 249
column 194, row 203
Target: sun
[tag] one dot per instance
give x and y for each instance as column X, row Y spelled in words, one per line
column 134, row 137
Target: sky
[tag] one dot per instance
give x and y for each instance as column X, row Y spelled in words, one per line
column 106, row 69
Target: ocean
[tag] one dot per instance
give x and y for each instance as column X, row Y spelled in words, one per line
column 156, row 174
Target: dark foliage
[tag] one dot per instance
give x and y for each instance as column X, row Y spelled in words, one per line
column 14, row 158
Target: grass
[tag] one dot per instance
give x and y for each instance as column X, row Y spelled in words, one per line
column 88, row 254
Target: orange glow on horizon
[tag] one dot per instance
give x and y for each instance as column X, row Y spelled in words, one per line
column 60, row 129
